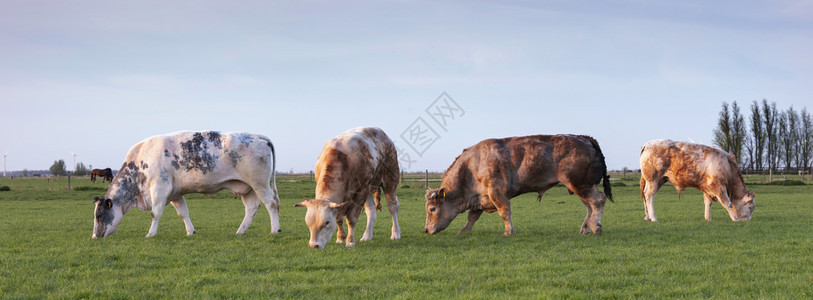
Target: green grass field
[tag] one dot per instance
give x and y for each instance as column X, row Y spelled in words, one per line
column 46, row 250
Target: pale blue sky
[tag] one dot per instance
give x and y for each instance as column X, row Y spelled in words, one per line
column 96, row 77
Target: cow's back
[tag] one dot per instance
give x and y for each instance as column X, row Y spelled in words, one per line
column 684, row 164
column 191, row 160
column 530, row 163
column 355, row 161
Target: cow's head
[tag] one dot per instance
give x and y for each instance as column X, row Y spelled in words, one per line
column 439, row 211
column 745, row 206
column 106, row 217
column 321, row 220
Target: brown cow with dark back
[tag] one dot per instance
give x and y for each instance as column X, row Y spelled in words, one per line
column 487, row 175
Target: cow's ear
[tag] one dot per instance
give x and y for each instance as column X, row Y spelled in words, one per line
column 337, row 205
column 442, row 193
column 97, row 199
column 303, row 203
column 108, row 203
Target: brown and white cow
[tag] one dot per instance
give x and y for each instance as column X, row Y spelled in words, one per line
column 712, row 171
column 351, row 169
column 487, row 175
column 163, row 168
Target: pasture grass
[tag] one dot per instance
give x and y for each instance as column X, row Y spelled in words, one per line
column 46, row 250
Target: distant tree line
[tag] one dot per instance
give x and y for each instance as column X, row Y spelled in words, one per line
column 769, row 139
column 58, row 169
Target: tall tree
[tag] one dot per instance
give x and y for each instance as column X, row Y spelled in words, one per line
column 769, row 114
column 806, row 138
column 749, row 148
column 782, row 134
column 737, row 132
column 790, row 139
column 722, row 134
column 58, row 168
column 757, row 135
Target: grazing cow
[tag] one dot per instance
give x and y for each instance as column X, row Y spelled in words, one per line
column 712, row 171
column 163, row 168
column 351, row 169
column 106, row 174
column 487, row 175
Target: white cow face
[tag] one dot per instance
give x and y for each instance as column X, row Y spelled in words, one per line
column 321, row 220
column 106, row 218
column 745, row 206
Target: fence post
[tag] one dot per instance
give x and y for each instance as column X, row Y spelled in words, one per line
column 426, row 179
column 69, row 182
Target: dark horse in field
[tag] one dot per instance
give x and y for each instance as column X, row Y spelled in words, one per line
column 106, row 174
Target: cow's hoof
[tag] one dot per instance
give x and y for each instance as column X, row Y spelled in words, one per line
column 350, row 245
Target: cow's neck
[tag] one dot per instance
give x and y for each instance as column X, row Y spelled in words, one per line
column 458, row 189
column 331, row 189
column 736, row 188
column 127, row 186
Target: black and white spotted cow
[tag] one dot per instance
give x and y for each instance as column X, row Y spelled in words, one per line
column 163, row 168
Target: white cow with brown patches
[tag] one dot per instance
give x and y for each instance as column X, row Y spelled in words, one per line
column 349, row 172
column 162, row 169
column 713, row 171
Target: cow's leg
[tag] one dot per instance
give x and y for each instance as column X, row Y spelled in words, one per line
column 392, row 206
column 352, row 217
column 270, row 198
column 180, row 207
column 474, row 215
column 650, row 188
column 726, row 202
column 369, row 209
column 707, row 200
column 503, row 205
column 594, row 201
column 252, row 203
column 156, row 212
column 158, row 198
column 341, row 234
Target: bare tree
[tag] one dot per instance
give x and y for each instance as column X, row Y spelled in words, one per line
column 722, row 134
column 770, row 117
column 749, row 148
column 806, row 137
column 737, row 132
column 757, row 135
column 789, row 138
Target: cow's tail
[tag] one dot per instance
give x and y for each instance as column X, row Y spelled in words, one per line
column 608, row 190
column 643, row 186
column 378, row 198
column 273, row 168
